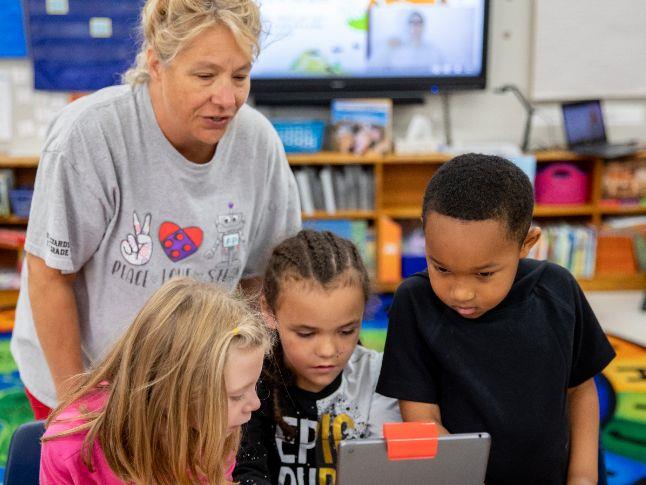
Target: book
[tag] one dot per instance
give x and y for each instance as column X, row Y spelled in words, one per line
column 328, row 189
column 304, row 191
column 6, row 184
column 362, row 126
column 389, row 260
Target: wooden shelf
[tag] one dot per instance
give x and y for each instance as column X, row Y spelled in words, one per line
column 13, row 220
column 431, row 158
column 400, row 181
column 331, row 158
column 8, row 298
column 340, row 215
column 402, row 212
column 563, row 210
column 18, row 162
column 560, row 156
column 614, row 282
column 622, row 209
column 539, row 211
column 599, row 283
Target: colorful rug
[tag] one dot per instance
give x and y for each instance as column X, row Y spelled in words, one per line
column 622, row 395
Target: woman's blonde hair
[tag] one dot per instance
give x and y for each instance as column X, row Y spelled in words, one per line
column 168, row 26
column 165, row 419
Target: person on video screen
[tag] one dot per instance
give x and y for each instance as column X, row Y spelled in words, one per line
column 412, row 51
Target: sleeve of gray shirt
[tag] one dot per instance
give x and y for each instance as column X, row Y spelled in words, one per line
column 281, row 211
column 70, row 208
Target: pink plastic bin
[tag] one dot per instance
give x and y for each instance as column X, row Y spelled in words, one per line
column 561, row 183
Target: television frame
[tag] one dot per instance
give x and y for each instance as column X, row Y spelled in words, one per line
column 319, row 90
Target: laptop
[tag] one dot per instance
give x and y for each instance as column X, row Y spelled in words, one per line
column 585, row 131
column 460, row 458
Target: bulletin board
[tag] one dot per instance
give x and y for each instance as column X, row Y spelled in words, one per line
column 12, row 40
column 81, row 45
column 584, row 49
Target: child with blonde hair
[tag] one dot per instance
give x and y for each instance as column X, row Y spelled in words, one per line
column 319, row 383
column 166, row 404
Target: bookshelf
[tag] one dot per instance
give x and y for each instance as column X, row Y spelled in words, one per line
column 400, row 181
column 24, row 170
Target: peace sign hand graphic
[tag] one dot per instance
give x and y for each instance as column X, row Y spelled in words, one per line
column 137, row 248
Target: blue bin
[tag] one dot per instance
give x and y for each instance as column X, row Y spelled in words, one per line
column 412, row 265
column 300, row 136
column 20, row 200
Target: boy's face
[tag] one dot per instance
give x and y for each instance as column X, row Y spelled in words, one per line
column 472, row 264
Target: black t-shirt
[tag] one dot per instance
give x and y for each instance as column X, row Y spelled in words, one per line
column 266, row 456
column 506, row 372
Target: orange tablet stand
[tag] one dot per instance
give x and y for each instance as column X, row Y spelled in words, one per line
column 407, row 441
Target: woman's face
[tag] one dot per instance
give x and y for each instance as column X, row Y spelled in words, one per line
column 196, row 95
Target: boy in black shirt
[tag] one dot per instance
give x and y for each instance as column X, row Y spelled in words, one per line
column 485, row 340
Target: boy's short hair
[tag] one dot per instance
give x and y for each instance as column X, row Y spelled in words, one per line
column 476, row 187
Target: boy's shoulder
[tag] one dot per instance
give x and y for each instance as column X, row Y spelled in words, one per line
column 551, row 281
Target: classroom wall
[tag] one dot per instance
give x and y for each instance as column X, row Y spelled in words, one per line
column 477, row 116
column 482, row 116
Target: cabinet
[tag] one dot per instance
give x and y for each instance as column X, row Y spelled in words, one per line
column 400, row 181
column 10, row 254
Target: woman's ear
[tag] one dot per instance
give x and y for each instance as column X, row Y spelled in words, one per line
column 267, row 313
column 154, row 66
column 533, row 235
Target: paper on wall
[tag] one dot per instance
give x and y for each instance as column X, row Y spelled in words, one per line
column 6, row 107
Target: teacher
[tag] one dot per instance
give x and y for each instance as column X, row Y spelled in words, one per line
column 169, row 174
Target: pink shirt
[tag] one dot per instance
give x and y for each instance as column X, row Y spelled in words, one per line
column 61, row 461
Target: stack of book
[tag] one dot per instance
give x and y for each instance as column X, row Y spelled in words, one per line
column 327, row 189
column 571, row 246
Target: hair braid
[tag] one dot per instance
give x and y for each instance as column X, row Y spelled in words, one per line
column 320, row 257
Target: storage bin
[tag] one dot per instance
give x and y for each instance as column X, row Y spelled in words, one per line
column 561, row 183
column 20, row 200
column 412, row 265
column 300, row 136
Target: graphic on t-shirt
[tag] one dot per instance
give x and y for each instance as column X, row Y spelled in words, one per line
column 137, row 248
column 311, row 458
column 229, row 240
column 179, row 242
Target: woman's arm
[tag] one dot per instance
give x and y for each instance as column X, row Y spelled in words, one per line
column 53, row 305
column 583, row 406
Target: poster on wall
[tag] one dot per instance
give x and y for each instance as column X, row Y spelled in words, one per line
column 81, row 45
column 12, row 40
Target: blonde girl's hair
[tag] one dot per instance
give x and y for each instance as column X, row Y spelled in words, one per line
column 165, row 418
column 168, row 26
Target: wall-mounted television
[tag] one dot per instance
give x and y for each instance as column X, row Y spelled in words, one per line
column 316, row 50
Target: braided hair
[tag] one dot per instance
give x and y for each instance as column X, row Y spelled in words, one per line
column 320, row 257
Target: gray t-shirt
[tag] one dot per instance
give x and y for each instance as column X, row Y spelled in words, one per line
column 117, row 204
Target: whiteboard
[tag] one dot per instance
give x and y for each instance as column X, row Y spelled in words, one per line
column 585, row 49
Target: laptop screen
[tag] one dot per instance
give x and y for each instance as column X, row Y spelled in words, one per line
column 583, row 123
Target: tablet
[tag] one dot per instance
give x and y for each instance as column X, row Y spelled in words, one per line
column 460, row 459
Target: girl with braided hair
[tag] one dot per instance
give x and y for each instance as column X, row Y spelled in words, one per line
column 318, row 387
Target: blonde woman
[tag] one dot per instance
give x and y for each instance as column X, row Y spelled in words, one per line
column 166, row 404
column 169, row 174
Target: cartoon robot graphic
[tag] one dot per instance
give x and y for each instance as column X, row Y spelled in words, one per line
column 229, row 240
